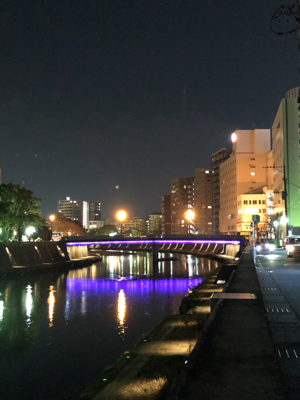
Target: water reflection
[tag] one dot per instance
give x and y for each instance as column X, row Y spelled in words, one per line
column 51, row 302
column 121, row 311
column 106, row 308
column 28, row 303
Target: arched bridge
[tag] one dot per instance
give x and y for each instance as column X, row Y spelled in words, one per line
column 221, row 246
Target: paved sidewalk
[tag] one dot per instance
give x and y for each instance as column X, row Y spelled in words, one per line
column 283, row 321
column 234, row 358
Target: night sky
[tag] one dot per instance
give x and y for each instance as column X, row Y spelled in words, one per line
column 101, row 93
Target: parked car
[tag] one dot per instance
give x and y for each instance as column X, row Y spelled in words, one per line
column 292, row 246
column 265, row 245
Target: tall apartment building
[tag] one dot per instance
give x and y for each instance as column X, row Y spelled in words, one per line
column 166, row 214
column 135, row 223
column 286, row 154
column 155, row 223
column 182, row 199
column 71, row 209
column 244, row 172
column 94, row 211
column 217, row 159
column 203, row 201
column 80, row 211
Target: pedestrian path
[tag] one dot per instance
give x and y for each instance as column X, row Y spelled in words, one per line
column 154, row 364
column 285, row 329
column 234, row 358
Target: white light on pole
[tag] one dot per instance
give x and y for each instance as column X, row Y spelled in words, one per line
column 30, row 230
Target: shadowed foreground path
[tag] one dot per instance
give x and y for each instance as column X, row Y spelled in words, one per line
column 234, row 358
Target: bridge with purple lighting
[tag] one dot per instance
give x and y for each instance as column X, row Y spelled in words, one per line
column 220, row 247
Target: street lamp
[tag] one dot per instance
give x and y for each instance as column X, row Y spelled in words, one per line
column 189, row 215
column 121, row 216
column 52, row 219
column 276, row 224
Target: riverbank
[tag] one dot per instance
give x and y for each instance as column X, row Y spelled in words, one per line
column 50, row 267
column 26, row 258
column 151, row 367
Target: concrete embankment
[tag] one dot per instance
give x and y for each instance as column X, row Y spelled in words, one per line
column 149, row 369
column 225, row 354
column 234, row 357
column 21, row 258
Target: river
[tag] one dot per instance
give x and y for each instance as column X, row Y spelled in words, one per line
column 58, row 331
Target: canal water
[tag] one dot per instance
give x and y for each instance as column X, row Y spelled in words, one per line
column 59, row 331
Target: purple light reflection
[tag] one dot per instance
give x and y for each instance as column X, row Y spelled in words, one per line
column 75, row 286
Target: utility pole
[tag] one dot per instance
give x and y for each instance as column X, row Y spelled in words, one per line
column 284, row 193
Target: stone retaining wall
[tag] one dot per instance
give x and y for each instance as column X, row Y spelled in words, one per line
column 13, row 255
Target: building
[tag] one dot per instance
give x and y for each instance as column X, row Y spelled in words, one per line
column 81, row 211
column 217, row 159
column 203, row 201
column 166, row 214
column 286, row 155
column 155, row 223
column 94, row 211
column 253, row 203
column 71, row 209
column 95, row 225
column 134, row 226
column 182, row 199
column 244, row 172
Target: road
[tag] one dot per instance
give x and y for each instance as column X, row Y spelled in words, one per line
column 279, row 279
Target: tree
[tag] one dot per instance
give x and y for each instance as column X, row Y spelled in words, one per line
column 105, row 230
column 18, row 210
column 67, row 226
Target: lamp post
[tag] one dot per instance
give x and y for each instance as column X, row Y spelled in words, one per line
column 189, row 215
column 52, row 219
column 276, row 223
column 121, row 216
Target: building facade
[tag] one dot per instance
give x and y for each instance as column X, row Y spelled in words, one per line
column 245, row 171
column 166, row 214
column 134, row 225
column 286, row 171
column 182, row 199
column 81, row 211
column 203, row 201
column 155, row 223
column 217, row 159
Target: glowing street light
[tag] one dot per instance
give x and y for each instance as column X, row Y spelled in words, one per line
column 52, row 219
column 29, row 230
column 189, row 215
column 121, row 216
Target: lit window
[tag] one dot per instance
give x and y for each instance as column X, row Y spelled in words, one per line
column 252, row 173
column 208, row 206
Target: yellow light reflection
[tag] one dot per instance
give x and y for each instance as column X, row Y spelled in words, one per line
column 51, row 301
column 93, row 271
column 1, row 309
column 28, row 301
column 121, row 311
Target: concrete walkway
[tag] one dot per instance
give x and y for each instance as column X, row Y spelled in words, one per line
column 234, row 358
column 157, row 360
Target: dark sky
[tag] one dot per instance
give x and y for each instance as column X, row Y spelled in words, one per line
column 99, row 93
